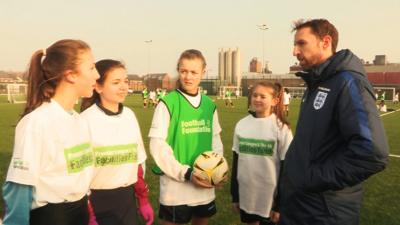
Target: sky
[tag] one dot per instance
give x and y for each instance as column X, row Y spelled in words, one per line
column 119, row 29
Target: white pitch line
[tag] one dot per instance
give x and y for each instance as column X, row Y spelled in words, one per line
column 384, row 114
column 391, row 155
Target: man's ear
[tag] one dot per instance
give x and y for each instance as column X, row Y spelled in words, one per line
column 70, row 76
column 327, row 41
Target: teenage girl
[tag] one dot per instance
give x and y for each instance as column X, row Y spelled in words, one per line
column 185, row 124
column 119, row 153
column 52, row 162
column 260, row 142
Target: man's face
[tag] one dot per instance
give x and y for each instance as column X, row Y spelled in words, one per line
column 308, row 48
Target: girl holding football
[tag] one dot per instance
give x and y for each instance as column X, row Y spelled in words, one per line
column 184, row 125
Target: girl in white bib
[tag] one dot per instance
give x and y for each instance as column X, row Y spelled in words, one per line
column 260, row 142
column 52, row 162
column 119, row 154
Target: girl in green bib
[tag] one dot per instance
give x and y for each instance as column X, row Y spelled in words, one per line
column 185, row 124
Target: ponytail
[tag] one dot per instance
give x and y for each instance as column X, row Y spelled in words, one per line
column 40, row 87
column 47, row 68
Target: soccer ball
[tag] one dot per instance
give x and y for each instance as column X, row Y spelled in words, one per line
column 211, row 166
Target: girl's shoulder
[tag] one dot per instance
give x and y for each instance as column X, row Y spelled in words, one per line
column 37, row 119
column 93, row 109
column 128, row 112
column 246, row 121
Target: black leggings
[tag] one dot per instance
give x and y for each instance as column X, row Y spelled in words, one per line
column 70, row 213
column 115, row 207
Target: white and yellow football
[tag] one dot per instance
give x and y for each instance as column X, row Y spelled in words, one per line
column 211, row 166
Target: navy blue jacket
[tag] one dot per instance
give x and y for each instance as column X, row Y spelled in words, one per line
column 339, row 142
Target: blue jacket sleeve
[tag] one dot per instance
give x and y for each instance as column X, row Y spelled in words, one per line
column 365, row 149
column 18, row 201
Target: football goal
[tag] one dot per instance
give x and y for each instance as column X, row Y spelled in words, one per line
column 16, row 93
column 234, row 92
column 384, row 93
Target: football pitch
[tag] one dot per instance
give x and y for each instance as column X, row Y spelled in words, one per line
column 381, row 192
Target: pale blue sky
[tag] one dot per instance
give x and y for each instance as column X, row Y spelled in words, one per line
column 118, row 29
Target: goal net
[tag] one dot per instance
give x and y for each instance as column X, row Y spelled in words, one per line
column 234, row 92
column 384, row 93
column 16, row 93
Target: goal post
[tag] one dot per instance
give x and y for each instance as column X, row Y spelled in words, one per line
column 16, row 93
column 234, row 90
column 385, row 93
column 296, row 92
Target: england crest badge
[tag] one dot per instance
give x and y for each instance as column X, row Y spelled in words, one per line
column 320, row 100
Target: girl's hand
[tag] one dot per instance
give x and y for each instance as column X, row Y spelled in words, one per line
column 199, row 181
column 146, row 211
column 222, row 183
column 274, row 216
column 236, row 207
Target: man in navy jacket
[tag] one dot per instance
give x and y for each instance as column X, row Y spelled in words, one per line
column 340, row 140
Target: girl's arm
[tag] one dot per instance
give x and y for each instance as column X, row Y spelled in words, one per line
column 216, row 139
column 161, row 152
column 141, row 188
column 234, row 181
column 18, row 201
column 141, row 192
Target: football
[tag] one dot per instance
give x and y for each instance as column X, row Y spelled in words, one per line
column 211, row 166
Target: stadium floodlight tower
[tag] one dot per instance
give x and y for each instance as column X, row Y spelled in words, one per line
column 263, row 27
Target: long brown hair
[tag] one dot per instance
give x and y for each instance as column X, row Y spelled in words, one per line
column 277, row 93
column 103, row 68
column 46, row 70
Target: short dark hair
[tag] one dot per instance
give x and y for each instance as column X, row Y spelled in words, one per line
column 321, row 28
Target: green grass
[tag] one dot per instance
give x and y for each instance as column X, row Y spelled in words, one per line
column 382, row 193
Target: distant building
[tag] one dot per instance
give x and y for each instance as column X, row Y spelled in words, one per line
column 135, row 83
column 287, row 80
column 229, row 67
column 255, row 66
column 266, row 68
column 12, row 77
column 382, row 73
column 158, row 80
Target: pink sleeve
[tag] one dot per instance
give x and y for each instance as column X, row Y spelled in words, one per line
column 140, row 187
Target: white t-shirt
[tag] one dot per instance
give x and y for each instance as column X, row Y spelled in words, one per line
column 260, row 145
column 117, row 146
column 152, row 95
column 382, row 108
column 174, row 190
column 286, row 98
column 52, row 153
